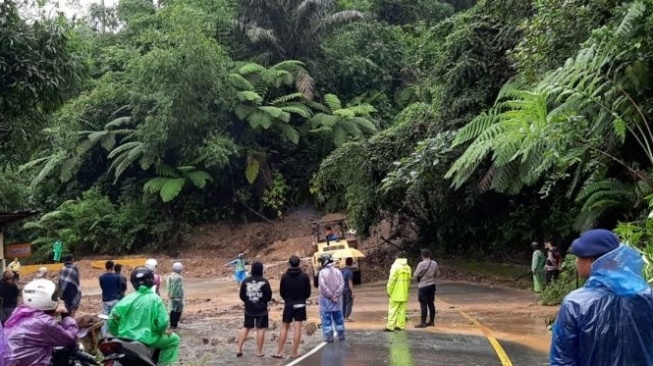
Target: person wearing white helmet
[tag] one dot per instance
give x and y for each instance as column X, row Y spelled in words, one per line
column 42, row 273
column 153, row 265
column 175, row 286
column 32, row 332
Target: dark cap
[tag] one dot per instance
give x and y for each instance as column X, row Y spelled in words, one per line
column 294, row 261
column 594, row 243
column 257, row 269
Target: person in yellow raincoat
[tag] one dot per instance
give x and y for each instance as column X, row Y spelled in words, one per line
column 398, row 287
column 142, row 316
column 537, row 267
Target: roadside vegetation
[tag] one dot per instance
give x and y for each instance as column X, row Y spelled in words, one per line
column 474, row 127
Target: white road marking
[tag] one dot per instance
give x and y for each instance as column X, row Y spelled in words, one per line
column 304, row 356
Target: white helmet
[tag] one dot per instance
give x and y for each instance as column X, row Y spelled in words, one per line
column 177, row 267
column 42, row 272
column 151, row 264
column 41, row 295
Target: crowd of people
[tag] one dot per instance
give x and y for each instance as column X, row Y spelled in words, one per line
column 31, row 330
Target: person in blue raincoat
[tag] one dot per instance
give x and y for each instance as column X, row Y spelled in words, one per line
column 608, row 321
column 240, row 270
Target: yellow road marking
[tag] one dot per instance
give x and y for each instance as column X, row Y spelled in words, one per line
column 501, row 353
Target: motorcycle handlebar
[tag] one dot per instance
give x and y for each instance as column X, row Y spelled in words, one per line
column 81, row 355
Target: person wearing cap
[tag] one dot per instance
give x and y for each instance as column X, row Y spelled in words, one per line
column 608, row 321
column 175, row 286
column 331, row 285
column 255, row 292
column 240, row 271
column 9, row 293
column 537, row 267
column 42, row 273
column 295, row 288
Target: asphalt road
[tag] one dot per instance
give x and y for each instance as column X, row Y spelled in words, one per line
column 417, row 347
column 413, row 348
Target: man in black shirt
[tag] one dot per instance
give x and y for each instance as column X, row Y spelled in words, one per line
column 255, row 291
column 123, row 280
column 295, row 288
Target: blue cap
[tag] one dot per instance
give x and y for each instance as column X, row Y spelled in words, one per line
column 594, row 243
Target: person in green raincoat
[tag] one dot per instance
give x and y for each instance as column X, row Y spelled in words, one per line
column 57, row 250
column 537, row 267
column 398, row 287
column 175, row 286
column 142, row 316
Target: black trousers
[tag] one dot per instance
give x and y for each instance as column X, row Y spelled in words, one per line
column 426, row 297
column 552, row 276
column 174, row 318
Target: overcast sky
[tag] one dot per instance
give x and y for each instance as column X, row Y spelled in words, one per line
column 78, row 7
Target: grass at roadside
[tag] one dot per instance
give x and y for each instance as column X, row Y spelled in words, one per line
column 489, row 272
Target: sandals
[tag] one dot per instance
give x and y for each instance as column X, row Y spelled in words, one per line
column 277, row 356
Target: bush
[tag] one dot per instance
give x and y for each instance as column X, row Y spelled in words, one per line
column 567, row 282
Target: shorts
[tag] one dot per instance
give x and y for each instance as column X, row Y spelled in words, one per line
column 294, row 313
column 258, row 322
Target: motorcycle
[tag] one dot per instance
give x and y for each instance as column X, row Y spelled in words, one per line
column 71, row 356
column 127, row 352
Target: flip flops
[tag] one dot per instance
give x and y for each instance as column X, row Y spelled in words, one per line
column 277, row 356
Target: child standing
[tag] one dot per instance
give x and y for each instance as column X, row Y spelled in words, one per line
column 537, row 267
column 175, row 286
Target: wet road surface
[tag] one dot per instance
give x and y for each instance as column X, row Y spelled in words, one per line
column 412, row 348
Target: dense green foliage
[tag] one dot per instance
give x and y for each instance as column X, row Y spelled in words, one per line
column 473, row 127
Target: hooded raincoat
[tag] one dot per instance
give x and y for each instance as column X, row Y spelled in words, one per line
column 142, row 316
column 31, row 336
column 608, row 321
column 398, row 288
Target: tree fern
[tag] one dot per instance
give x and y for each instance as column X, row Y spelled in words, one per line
column 171, row 188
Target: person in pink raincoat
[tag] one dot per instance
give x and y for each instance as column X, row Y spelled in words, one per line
column 31, row 332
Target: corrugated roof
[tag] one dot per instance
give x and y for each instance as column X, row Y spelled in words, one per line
column 7, row 218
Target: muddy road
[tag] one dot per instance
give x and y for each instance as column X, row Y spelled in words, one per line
column 475, row 325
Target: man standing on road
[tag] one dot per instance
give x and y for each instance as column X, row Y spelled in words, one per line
column 255, row 291
column 57, row 249
column 537, row 267
column 425, row 274
column 398, row 287
column 71, row 292
column 153, row 265
column 294, row 289
column 110, row 285
column 553, row 262
column 348, row 292
column 331, row 285
column 608, row 321
column 123, row 280
column 175, row 286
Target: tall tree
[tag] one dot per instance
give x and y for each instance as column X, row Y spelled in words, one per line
column 291, row 29
column 39, row 65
